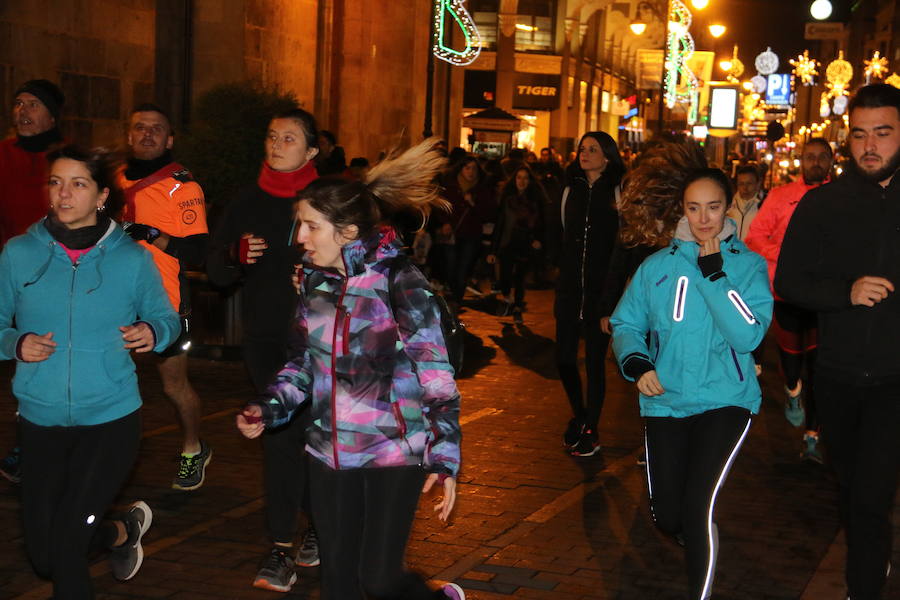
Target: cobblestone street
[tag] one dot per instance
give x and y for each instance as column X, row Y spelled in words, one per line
column 531, row 521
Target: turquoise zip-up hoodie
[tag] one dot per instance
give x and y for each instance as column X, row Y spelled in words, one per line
column 697, row 332
column 90, row 378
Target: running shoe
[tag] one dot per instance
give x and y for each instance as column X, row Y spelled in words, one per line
column 125, row 560
column 573, row 433
column 308, row 553
column 453, row 592
column 11, row 466
column 588, row 444
column 793, row 408
column 275, row 572
column 517, row 316
column 192, row 469
column 810, row 449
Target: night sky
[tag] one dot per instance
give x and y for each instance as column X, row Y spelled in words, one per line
column 753, row 25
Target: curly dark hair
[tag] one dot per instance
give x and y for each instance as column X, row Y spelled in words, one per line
column 651, row 195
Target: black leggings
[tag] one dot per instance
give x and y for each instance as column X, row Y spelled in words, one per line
column 687, row 462
column 570, row 327
column 70, row 477
column 861, row 426
column 514, row 265
column 795, row 333
column 285, row 470
column 363, row 517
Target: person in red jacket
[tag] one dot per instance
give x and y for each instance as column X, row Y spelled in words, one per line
column 794, row 327
column 23, row 164
column 23, row 170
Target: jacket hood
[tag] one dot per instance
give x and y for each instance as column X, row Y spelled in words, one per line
column 683, row 230
column 113, row 237
column 381, row 245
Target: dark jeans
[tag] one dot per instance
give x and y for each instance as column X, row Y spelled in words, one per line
column 70, row 477
column 861, row 429
column 285, row 463
column 687, row 462
column 363, row 517
column 458, row 261
column 569, row 330
column 514, row 265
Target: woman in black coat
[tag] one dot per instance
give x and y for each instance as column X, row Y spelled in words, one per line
column 589, row 225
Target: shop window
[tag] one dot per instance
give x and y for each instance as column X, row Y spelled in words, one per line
column 534, row 25
column 486, row 22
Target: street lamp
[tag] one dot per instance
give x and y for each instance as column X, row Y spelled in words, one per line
column 638, row 27
column 717, row 30
column 700, row 4
column 820, row 9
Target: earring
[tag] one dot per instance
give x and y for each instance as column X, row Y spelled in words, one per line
column 101, row 208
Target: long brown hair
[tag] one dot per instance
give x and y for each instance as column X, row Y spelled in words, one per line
column 400, row 184
column 651, row 195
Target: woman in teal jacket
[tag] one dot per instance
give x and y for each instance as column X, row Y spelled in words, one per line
column 76, row 296
column 684, row 331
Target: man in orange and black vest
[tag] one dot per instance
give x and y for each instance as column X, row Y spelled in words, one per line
column 166, row 213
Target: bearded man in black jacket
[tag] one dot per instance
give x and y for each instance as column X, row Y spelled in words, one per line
column 841, row 258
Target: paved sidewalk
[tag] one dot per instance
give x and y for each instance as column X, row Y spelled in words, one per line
column 531, row 521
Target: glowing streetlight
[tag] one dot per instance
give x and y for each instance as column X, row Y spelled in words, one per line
column 638, row 27
column 820, row 9
column 725, row 65
column 700, row 4
column 717, row 30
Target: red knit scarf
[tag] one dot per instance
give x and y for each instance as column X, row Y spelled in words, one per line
column 286, row 185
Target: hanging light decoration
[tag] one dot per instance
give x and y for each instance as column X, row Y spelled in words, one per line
column 766, row 62
column 840, row 105
column 679, row 81
column 893, row 80
column 824, row 108
column 735, row 67
column 759, row 84
column 876, row 67
column 839, row 73
column 456, row 10
column 805, row 68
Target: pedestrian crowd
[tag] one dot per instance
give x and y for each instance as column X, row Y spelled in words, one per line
column 349, row 274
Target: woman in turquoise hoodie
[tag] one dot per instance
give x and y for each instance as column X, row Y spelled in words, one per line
column 76, row 296
column 684, row 332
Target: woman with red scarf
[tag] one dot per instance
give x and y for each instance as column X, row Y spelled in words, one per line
column 254, row 245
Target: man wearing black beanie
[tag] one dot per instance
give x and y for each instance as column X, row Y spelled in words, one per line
column 23, row 177
column 23, row 166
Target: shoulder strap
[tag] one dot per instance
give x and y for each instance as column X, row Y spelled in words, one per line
column 131, row 193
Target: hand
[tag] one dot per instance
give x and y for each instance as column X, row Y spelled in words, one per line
column 36, row 348
column 491, row 259
column 251, row 248
column 649, row 384
column 710, row 246
column 295, row 278
column 448, row 500
column 249, row 422
column 605, row 325
column 141, row 233
column 869, row 291
column 138, row 337
column 536, row 245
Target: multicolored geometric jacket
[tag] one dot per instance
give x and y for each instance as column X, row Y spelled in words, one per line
column 373, row 368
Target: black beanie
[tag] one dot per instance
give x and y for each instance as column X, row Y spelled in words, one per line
column 45, row 91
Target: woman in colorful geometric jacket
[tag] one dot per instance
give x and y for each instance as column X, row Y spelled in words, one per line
column 684, row 332
column 76, row 296
column 370, row 363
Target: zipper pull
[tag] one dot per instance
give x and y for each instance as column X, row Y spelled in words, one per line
column 345, row 338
